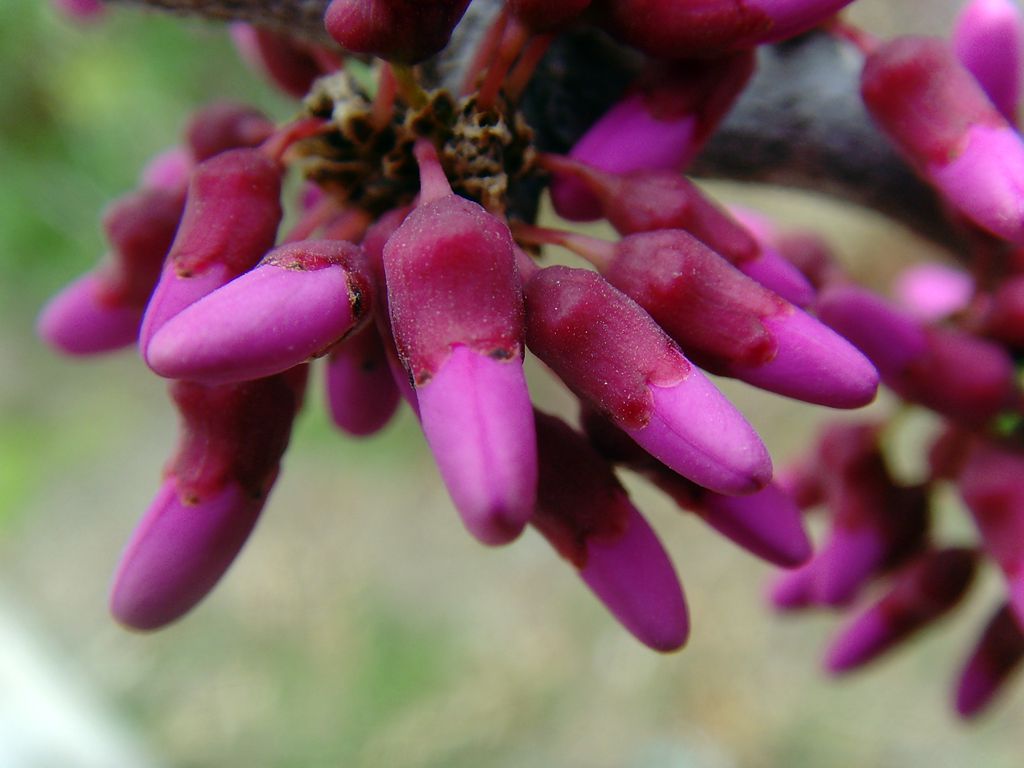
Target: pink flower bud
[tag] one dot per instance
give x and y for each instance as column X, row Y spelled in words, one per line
column 989, row 41
column 990, row 484
column 287, row 63
column 676, row 29
column 956, row 374
column 169, row 170
column 875, row 523
column 997, row 655
column 610, row 352
column 939, row 117
column 231, row 445
column 584, row 512
column 456, row 309
column 923, row 592
column 231, row 216
column 223, row 126
column 731, row 325
column 300, row 300
column 102, row 310
column 661, row 124
column 403, row 31
column 361, row 393
column 932, row 292
column 1003, row 317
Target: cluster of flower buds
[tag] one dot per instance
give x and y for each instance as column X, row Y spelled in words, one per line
column 406, row 274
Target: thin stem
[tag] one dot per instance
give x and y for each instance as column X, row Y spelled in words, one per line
column 433, row 183
column 408, row 85
column 486, row 50
column 520, row 75
column 384, row 100
column 284, row 137
column 598, row 252
column 512, row 43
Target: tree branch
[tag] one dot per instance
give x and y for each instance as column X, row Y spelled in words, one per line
column 800, row 123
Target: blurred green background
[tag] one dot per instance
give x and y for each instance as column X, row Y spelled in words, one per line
column 362, row 626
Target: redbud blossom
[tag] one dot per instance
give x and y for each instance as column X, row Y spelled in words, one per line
column 998, row 655
column 660, row 124
column 926, row 590
column 943, row 122
column 402, row 31
column 232, row 440
column 683, row 28
column 299, row 301
column 989, row 40
column 456, row 310
column 585, row 513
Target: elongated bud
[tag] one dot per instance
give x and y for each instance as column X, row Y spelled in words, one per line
column 283, row 60
column 610, row 352
column 169, row 170
column 1003, row 316
column 990, row 484
column 300, row 300
column 586, row 515
column 361, row 393
column 223, row 126
column 231, row 216
column 102, row 310
column 456, row 310
column 402, row 31
column 731, row 325
column 661, row 124
column 942, row 121
column 952, row 372
column 989, row 40
column 674, row 29
column 933, row 292
column 922, row 593
column 996, row 657
column 228, row 458
column 875, row 523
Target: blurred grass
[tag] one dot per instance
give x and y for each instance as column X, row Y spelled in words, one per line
column 362, row 627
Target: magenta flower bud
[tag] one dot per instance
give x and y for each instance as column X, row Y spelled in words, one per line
column 102, row 310
column 1003, row 317
column 731, row 325
column 776, row 273
column 299, row 301
column 223, row 126
column 875, row 524
column 231, row 216
column 402, row 31
column 767, row 524
column 82, row 320
column 990, row 484
column 456, row 310
column 586, row 515
column 996, row 657
column 989, row 41
column 545, row 16
column 671, row 29
column 178, row 552
column 80, row 10
column 169, row 170
column 793, row 590
column 611, row 353
column 287, row 63
column 472, row 410
column 661, row 124
column 228, row 458
column 956, row 374
column 361, row 393
column 933, row 292
column 923, row 592
column 942, row 121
